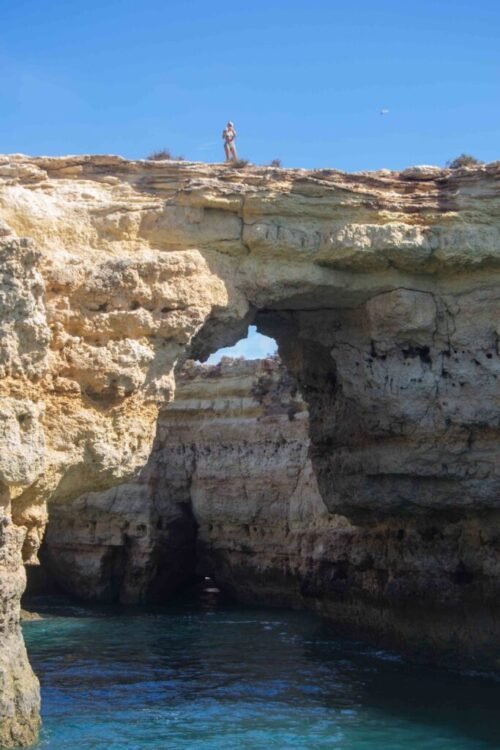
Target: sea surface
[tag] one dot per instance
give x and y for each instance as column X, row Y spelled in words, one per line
column 208, row 677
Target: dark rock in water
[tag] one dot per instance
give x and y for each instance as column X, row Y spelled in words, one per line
column 27, row 616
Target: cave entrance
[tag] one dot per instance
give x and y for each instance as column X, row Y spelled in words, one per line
column 230, row 463
column 141, row 541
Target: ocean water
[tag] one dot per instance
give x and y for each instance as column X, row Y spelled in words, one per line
column 233, row 678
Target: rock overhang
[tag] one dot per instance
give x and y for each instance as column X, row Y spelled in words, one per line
column 143, row 263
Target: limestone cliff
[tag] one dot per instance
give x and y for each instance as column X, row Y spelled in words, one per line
column 382, row 290
column 231, row 456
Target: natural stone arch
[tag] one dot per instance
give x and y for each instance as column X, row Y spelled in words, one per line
column 114, row 271
column 391, row 444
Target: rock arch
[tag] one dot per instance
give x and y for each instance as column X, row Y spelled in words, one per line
column 381, row 289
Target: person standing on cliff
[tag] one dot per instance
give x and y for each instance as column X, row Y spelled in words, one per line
column 229, row 137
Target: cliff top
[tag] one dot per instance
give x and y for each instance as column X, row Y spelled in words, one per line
column 421, row 219
column 78, row 163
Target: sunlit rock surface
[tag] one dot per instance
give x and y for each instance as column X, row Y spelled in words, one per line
column 19, row 691
column 381, row 289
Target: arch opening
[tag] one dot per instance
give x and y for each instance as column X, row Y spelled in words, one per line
column 229, row 464
column 254, row 345
column 351, row 535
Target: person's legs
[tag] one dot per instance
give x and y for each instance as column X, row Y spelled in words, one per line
column 227, row 151
column 232, row 148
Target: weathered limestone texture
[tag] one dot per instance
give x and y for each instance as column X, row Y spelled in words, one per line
column 113, row 272
column 19, row 692
column 232, row 452
column 132, row 543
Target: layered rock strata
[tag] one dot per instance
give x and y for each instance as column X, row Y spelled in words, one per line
column 133, row 543
column 232, row 455
column 231, row 451
column 382, row 290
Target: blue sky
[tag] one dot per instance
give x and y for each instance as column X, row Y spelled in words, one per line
column 303, row 81
column 254, row 346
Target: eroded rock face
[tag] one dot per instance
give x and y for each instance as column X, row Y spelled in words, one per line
column 404, row 401
column 133, row 543
column 113, row 272
column 19, row 691
column 232, row 454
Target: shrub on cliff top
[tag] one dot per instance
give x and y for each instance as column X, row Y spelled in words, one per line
column 464, row 160
column 239, row 163
column 276, row 163
column 163, row 154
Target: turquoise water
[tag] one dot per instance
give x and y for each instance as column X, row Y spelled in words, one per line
column 245, row 679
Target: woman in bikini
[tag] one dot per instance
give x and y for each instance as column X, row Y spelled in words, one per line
column 229, row 136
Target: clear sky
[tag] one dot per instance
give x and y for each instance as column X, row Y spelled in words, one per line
column 303, row 81
column 254, row 346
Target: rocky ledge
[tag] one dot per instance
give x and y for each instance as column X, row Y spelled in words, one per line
column 382, row 290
